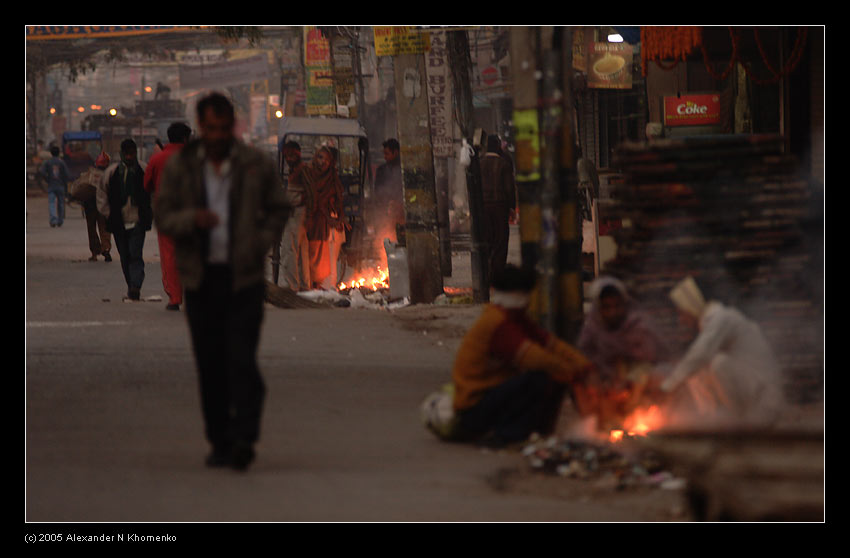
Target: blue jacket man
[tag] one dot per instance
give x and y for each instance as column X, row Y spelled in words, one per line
column 56, row 173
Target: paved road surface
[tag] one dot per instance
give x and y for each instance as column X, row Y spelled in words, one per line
column 114, row 432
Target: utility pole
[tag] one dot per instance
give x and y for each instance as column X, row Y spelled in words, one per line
column 457, row 47
column 417, row 166
column 541, row 69
column 570, row 282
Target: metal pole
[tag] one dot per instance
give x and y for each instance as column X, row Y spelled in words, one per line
column 571, row 288
column 524, row 51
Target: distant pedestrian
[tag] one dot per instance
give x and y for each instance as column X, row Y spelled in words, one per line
column 56, row 173
column 178, row 135
column 295, row 247
column 388, row 200
column 499, row 193
column 223, row 204
column 126, row 206
column 85, row 189
column 325, row 219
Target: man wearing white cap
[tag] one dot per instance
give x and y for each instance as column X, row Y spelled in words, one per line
column 729, row 369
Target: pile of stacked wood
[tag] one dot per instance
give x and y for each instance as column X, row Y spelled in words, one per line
column 738, row 215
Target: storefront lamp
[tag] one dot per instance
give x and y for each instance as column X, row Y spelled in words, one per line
column 112, row 112
column 278, row 113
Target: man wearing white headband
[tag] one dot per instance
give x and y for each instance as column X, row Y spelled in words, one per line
column 510, row 375
column 729, row 370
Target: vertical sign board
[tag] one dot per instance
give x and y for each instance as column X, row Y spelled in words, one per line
column 317, row 62
column 439, row 95
column 692, row 110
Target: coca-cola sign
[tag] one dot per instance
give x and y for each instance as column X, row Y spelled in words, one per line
column 692, row 110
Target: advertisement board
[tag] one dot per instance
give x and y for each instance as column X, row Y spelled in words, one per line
column 692, row 110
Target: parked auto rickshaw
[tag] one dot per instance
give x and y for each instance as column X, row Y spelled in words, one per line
column 348, row 137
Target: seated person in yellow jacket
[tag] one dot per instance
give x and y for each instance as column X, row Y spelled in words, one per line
column 510, row 375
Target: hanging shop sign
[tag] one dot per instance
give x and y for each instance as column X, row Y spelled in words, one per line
column 317, row 64
column 390, row 41
column 692, row 110
column 609, row 65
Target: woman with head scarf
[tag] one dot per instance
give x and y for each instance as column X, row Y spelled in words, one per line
column 616, row 336
column 324, row 219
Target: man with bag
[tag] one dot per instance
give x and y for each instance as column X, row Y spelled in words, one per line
column 84, row 189
column 126, row 206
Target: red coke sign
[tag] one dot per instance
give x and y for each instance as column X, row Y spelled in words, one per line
column 692, row 110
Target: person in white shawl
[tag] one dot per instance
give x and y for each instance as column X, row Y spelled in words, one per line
column 729, row 370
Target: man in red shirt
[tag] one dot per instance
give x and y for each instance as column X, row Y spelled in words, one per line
column 178, row 135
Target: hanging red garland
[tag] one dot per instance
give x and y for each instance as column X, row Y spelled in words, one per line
column 667, row 43
column 676, row 43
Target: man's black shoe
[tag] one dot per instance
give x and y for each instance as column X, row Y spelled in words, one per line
column 173, row 307
column 107, row 257
column 134, row 293
column 242, row 456
column 218, row 458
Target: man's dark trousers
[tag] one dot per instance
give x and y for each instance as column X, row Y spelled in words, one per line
column 130, row 244
column 225, row 330
column 510, row 412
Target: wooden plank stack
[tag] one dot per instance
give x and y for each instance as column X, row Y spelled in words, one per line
column 736, row 213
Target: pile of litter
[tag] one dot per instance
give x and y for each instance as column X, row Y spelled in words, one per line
column 587, row 460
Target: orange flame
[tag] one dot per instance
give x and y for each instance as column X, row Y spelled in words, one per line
column 639, row 423
column 372, row 279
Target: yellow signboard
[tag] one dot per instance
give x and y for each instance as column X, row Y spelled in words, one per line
column 394, row 40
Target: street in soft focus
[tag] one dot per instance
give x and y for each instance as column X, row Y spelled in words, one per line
column 578, row 270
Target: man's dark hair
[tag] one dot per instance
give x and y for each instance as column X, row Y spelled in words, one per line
column 219, row 104
column 54, row 151
column 128, row 146
column 179, row 132
column 610, row 290
column 494, row 144
column 292, row 145
column 393, row 144
column 513, row 278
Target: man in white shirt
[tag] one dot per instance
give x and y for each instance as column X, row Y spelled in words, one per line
column 223, row 204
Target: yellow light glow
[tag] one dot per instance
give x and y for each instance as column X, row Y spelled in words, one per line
column 52, row 110
column 279, row 113
column 81, row 109
column 148, row 89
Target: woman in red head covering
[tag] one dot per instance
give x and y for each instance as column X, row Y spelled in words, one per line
column 324, row 220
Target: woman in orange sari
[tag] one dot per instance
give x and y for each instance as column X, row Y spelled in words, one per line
column 324, row 219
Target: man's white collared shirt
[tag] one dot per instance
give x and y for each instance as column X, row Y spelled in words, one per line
column 218, row 183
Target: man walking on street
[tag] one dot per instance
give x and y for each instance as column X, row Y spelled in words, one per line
column 223, row 204
column 126, row 206
column 499, row 192
column 56, row 173
column 85, row 189
column 178, row 135
column 295, row 247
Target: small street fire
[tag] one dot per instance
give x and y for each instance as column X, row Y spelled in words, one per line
column 374, row 279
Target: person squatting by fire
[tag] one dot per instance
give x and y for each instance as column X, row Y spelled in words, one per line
column 510, row 376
